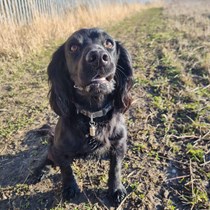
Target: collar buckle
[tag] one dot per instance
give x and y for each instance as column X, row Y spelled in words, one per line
column 92, row 115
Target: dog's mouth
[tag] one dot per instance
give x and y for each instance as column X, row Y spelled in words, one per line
column 102, row 79
column 98, row 83
column 101, row 84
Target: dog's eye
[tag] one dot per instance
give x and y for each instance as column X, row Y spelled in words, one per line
column 108, row 44
column 74, row 48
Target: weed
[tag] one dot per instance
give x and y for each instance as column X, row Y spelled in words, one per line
column 196, row 154
column 170, row 205
column 199, row 196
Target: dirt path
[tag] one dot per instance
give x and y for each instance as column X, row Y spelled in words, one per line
column 167, row 163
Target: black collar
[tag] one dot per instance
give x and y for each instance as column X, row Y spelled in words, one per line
column 92, row 115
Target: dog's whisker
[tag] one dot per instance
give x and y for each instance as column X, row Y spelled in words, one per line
column 121, row 71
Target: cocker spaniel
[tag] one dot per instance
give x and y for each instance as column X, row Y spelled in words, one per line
column 90, row 77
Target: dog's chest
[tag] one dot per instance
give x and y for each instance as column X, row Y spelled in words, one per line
column 99, row 143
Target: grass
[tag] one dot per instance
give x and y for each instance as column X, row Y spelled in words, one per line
column 190, row 17
column 177, row 113
column 167, row 162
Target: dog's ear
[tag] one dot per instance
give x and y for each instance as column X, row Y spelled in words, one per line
column 60, row 93
column 124, row 79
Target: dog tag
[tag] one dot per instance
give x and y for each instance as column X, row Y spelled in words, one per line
column 92, row 130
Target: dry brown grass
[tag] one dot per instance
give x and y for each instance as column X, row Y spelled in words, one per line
column 192, row 17
column 18, row 41
column 190, row 20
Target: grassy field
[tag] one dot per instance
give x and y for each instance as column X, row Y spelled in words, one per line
column 168, row 159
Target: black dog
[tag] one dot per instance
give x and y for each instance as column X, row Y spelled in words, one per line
column 90, row 77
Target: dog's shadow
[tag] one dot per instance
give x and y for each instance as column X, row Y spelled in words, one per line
column 18, row 190
column 16, row 168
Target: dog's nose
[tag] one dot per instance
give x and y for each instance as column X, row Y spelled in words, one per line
column 104, row 58
column 97, row 58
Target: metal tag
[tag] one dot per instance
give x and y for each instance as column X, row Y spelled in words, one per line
column 92, row 130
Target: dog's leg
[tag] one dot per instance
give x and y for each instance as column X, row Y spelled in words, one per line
column 116, row 190
column 70, row 187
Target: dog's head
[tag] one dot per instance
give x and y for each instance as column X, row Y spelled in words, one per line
column 90, row 63
column 91, row 58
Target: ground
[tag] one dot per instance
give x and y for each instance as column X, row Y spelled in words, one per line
column 167, row 165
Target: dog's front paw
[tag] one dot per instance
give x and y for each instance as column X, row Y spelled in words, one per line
column 118, row 194
column 70, row 192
